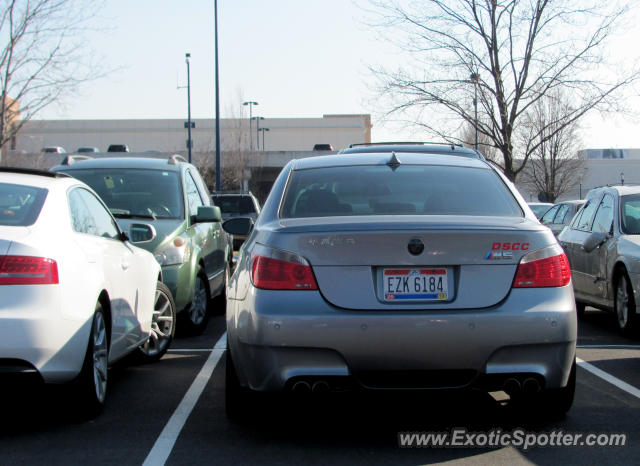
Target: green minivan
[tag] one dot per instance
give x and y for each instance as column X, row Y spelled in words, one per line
column 164, row 206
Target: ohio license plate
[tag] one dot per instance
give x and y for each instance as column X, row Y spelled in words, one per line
column 416, row 284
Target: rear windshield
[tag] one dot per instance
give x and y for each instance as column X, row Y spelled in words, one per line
column 409, row 190
column 631, row 214
column 136, row 192
column 234, row 204
column 20, row 205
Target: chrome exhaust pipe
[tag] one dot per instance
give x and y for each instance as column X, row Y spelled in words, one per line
column 301, row 387
column 511, row 386
column 531, row 385
column 321, row 387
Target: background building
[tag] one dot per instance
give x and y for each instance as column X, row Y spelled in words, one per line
column 598, row 167
column 284, row 134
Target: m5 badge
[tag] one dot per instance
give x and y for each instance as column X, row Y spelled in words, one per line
column 499, row 255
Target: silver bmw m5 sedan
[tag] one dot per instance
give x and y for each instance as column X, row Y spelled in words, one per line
column 399, row 271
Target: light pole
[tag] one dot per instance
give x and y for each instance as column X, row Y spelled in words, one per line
column 189, row 126
column 474, row 79
column 250, row 104
column 218, row 168
column 257, row 118
column 263, row 130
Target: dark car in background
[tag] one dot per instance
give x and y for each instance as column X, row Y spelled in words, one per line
column 118, row 148
column 603, row 246
column 164, row 206
column 559, row 216
column 237, row 204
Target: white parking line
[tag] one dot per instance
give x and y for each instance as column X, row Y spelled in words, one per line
column 609, row 378
column 167, row 439
column 633, row 347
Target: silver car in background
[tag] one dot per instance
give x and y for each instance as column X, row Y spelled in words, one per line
column 399, row 271
column 540, row 208
column 559, row 216
column 603, row 246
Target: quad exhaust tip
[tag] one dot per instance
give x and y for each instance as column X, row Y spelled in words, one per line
column 321, row 387
column 301, row 387
column 512, row 386
column 530, row 386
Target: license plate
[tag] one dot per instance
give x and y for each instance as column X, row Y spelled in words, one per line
column 431, row 284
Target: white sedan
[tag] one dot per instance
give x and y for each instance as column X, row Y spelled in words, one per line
column 75, row 294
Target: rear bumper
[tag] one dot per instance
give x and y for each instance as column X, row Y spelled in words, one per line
column 277, row 337
column 34, row 335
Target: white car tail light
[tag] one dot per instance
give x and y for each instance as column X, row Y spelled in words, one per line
column 27, row 270
column 544, row 268
column 273, row 269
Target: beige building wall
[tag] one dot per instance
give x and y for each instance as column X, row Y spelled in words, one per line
column 285, row 134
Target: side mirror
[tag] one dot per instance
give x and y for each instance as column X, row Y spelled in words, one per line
column 239, row 226
column 208, row 213
column 594, row 240
column 141, row 232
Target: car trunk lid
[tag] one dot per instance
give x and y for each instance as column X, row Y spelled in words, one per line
column 352, row 257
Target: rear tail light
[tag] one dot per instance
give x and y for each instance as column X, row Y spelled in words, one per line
column 27, row 270
column 544, row 268
column 273, row 269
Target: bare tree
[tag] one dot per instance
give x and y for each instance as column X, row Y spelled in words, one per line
column 43, row 56
column 511, row 52
column 235, row 156
column 554, row 167
column 485, row 144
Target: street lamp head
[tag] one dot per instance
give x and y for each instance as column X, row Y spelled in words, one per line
column 187, row 55
column 475, row 77
column 250, row 103
column 257, row 118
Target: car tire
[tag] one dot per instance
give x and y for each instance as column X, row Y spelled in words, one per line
column 91, row 383
column 236, row 397
column 625, row 306
column 163, row 326
column 580, row 307
column 556, row 402
column 194, row 317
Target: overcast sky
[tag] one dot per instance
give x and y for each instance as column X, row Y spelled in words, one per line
column 297, row 58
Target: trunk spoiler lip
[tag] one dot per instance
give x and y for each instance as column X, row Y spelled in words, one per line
column 401, row 222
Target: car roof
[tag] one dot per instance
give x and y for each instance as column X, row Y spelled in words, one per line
column 37, row 178
column 385, row 158
column 428, row 148
column 619, row 190
column 124, row 162
column 573, row 201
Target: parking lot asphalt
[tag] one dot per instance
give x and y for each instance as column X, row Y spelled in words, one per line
column 156, row 414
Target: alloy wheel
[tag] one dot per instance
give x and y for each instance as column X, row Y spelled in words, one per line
column 100, row 355
column 198, row 308
column 161, row 325
column 622, row 302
